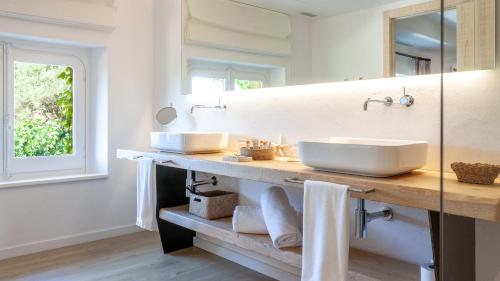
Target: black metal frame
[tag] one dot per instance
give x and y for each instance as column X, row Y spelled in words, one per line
column 171, row 192
column 455, row 256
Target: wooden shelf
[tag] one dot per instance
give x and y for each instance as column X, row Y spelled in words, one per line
column 360, row 263
column 222, row 229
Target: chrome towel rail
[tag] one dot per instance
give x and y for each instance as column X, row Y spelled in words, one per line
column 156, row 161
column 351, row 189
column 362, row 216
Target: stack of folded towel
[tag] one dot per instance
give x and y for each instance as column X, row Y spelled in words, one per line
column 275, row 217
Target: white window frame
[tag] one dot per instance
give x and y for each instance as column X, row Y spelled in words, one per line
column 229, row 72
column 3, row 89
column 74, row 163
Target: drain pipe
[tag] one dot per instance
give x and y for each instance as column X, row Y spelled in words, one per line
column 192, row 183
column 363, row 217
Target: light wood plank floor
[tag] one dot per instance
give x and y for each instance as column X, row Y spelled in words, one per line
column 131, row 257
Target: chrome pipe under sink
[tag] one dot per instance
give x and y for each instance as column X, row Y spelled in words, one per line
column 363, row 217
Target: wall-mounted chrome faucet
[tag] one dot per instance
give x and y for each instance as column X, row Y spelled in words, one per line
column 406, row 100
column 388, row 101
column 220, row 106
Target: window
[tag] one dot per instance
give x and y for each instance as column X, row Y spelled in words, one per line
column 214, row 77
column 44, row 111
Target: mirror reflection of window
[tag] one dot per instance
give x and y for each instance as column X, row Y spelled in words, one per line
column 241, row 85
column 200, row 85
column 216, row 77
column 418, row 45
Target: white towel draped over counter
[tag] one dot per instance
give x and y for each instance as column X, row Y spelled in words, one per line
column 325, row 252
column 146, row 194
column 281, row 218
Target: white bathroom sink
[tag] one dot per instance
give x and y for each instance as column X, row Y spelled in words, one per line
column 189, row 142
column 367, row 157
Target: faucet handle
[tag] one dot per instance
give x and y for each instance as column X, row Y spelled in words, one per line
column 406, row 99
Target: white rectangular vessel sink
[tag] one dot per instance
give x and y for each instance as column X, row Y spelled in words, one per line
column 189, row 142
column 366, row 157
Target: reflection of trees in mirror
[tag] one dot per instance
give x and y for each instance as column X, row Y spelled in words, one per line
column 43, row 102
column 247, row 84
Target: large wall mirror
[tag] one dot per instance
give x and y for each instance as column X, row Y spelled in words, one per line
column 412, row 43
column 251, row 44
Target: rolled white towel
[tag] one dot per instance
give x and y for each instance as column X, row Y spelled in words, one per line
column 249, row 219
column 281, row 218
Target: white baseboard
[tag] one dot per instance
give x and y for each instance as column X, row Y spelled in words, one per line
column 64, row 241
column 249, row 259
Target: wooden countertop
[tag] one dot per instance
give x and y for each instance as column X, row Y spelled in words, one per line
column 419, row 189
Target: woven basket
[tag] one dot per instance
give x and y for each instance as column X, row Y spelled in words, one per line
column 476, row 173
column 258, row 154
column 213, row 204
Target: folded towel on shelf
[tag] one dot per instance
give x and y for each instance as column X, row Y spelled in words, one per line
column 281, row 218
column 249, row 219
column 146, row 194
column 325, row 251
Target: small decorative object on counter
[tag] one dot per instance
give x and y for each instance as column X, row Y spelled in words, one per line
column 477, row 173
column 258, row 153
column 213, row 204
column 257, row 149
column 286, row 152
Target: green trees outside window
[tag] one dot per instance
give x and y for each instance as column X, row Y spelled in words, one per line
column 43, row 104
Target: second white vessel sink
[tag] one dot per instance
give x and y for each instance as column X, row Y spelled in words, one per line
column 367, row 157
column 189, row 142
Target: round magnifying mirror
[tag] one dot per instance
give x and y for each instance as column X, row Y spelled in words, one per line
column 166, row 115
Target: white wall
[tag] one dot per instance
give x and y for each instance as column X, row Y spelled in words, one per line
column 45, row 216
column 335, row 109
column 301, row 59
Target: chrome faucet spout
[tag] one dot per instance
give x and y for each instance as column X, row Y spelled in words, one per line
column 365, row 106
column 218, row 107
column 387, row 101
column 197, row 106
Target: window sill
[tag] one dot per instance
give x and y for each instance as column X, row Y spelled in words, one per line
column 49, row 180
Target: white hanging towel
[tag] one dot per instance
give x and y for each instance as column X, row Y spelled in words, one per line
column 146, row 194
column 281, row 218
column 325, row 252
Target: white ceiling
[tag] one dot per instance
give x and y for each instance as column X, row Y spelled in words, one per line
column 318, row 7
column 422, row 31
column 100, row 2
